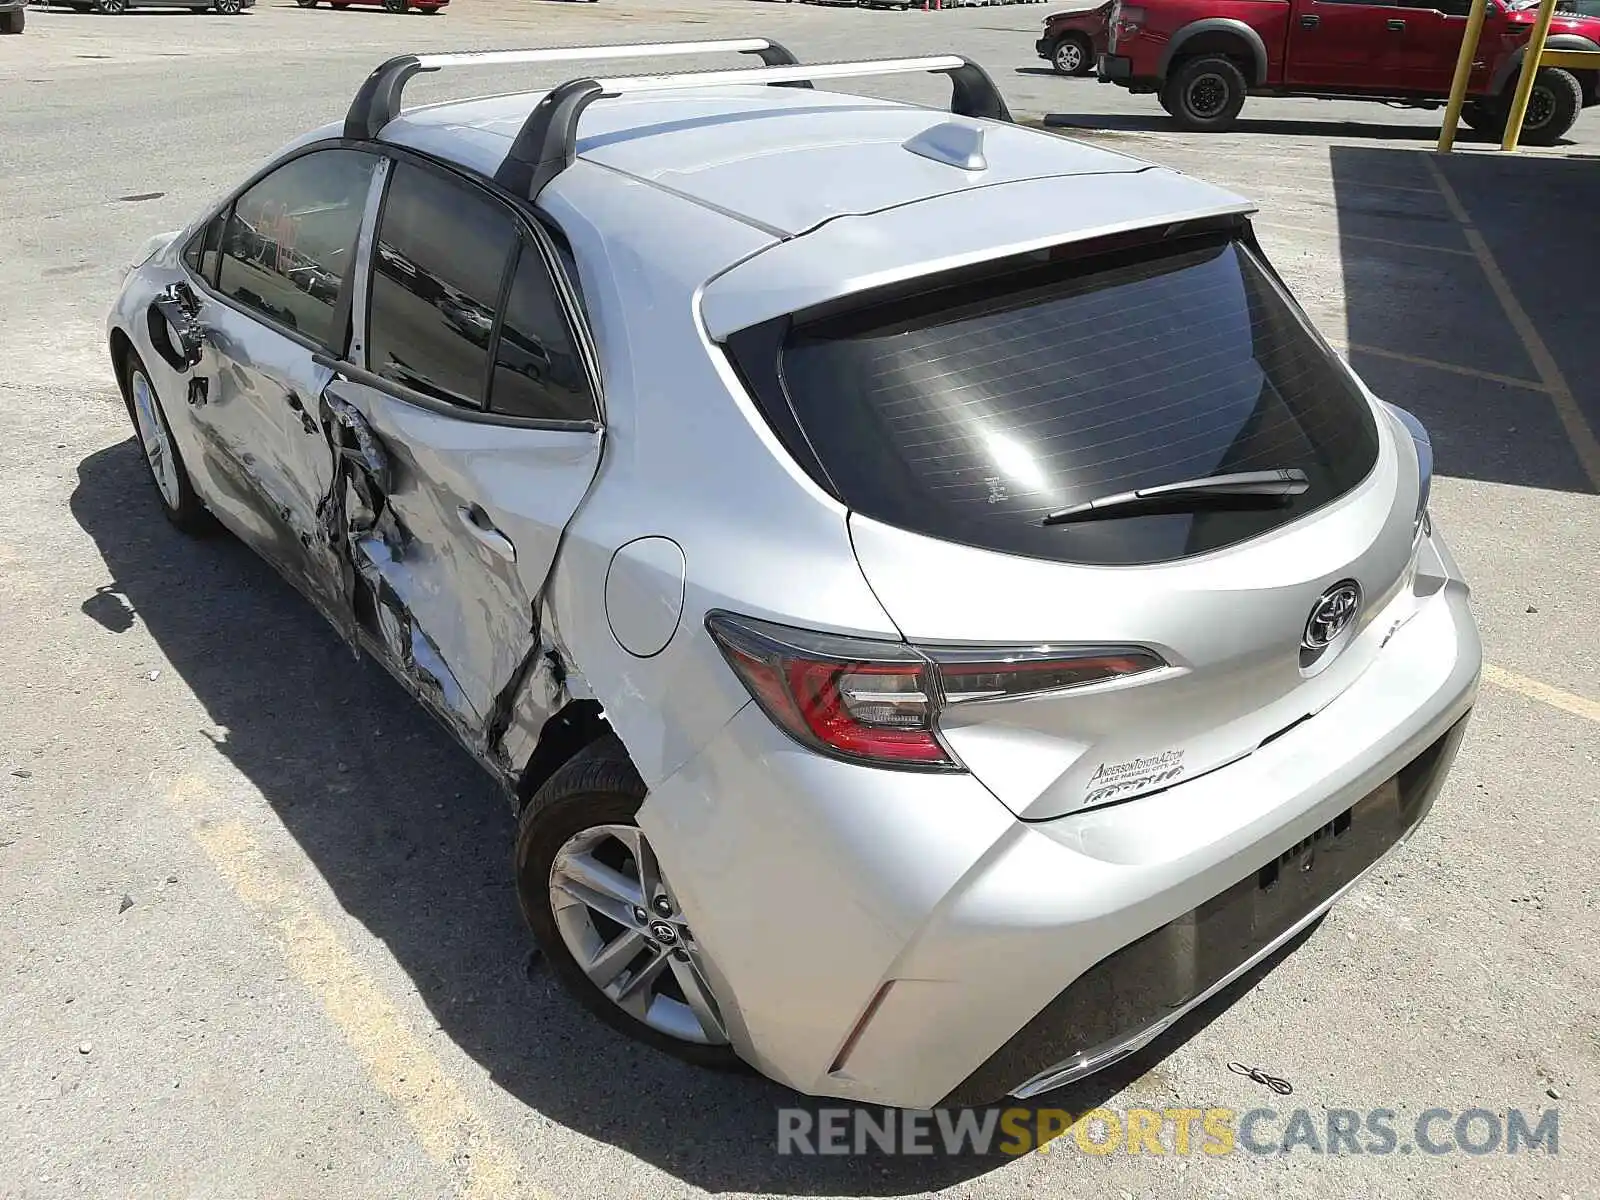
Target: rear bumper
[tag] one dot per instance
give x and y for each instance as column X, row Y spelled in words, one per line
column 901, row 939
column 1113, row 68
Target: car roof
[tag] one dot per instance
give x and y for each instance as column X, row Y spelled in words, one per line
column 783, row 159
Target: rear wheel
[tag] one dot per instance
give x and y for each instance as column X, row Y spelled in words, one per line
column 111, row 8
column 229, row 8
column 1553, row 106
column 604, row 914
column 178, row 500
column 1071, row 55
column 1205, row 94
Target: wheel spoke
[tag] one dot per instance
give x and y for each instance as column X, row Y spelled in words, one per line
column 634, row 993
column 644, row 860
column 698, row 997
column 613, row 957
column 585, row 878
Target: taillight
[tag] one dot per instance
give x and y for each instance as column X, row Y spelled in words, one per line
column 1127, row 20
column 878, row 702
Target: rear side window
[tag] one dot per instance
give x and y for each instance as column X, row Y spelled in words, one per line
column 971, row 412
column 438, row 266
column 537, row 371
column 290, row 239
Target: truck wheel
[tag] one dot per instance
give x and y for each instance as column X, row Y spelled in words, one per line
column 1071, row 56
column 1205, row 94
column 1480, row 116
column 1553, row 105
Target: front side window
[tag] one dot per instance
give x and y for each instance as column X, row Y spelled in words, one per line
column 971, row 411
column 289, row 241
column 439, row 263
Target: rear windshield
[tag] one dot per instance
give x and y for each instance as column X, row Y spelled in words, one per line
column 972, row 411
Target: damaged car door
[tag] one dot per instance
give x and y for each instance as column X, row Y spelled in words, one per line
column 274, row 269
column 466, row 435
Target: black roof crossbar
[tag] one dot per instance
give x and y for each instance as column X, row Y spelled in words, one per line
column 547, row 143
column 378, row 101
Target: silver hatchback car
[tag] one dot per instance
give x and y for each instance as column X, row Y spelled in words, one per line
column 940, row 608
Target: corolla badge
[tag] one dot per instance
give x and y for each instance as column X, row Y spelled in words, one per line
column 1333, row 613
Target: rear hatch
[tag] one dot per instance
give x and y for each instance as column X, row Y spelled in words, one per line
column 954, row 414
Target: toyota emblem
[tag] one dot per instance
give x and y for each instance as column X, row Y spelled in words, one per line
column 1332, row 614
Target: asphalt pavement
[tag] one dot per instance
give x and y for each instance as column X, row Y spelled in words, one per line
column 257, row 931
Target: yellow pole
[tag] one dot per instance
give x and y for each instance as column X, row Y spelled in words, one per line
column 1530, row 68
column 1463, row 76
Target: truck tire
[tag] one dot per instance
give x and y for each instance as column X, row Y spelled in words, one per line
column 1072, row 55
column 1482, row 116
column 1205, row 94
column 1553, row 106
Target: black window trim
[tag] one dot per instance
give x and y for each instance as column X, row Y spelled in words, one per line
column 530, row 231
column 530, row 225
column 341, row 307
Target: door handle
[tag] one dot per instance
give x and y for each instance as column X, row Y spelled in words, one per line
column 483, row 531
column 1310, row 21
column 1395, row 24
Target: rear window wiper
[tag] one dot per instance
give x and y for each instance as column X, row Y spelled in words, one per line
column 1246, row 489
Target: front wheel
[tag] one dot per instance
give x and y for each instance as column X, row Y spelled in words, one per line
column 604, row 913
column 112, row 8
column 1071, row 56
column 1205, row 94
column 1553, row 106
column 178, row 500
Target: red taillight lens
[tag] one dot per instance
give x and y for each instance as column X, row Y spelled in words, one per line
column 1127, row 20
column 879, row 702
column 852, row 698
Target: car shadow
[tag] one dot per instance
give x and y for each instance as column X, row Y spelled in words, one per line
column 415, row 843
column 1416, row 294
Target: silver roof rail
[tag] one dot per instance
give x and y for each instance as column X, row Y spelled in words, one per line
column 378, row 101
column 547, row 142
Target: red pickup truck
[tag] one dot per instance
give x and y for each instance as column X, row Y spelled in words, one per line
column 1201, row 58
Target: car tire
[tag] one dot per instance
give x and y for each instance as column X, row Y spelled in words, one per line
column 1072, row 55
column 161, row 455
column 1205, row 94
column 395, row 6
column 13, row 22
column 306, row 3
column 111, row 8
column 229, row 8
column 586, row 813
column 1553, row 106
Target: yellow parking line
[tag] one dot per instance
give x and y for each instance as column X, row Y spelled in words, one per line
column 1453, row 368
column 451, row 1132
column 1571, row 416
column 1542, row 692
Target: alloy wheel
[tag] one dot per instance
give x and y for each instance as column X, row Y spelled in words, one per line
column 1208, row 95
column 1541, row 108
column 155, row 440
column 1069, row 57
column 622, row 925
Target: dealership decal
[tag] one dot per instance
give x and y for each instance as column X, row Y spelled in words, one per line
column 1135, row 775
